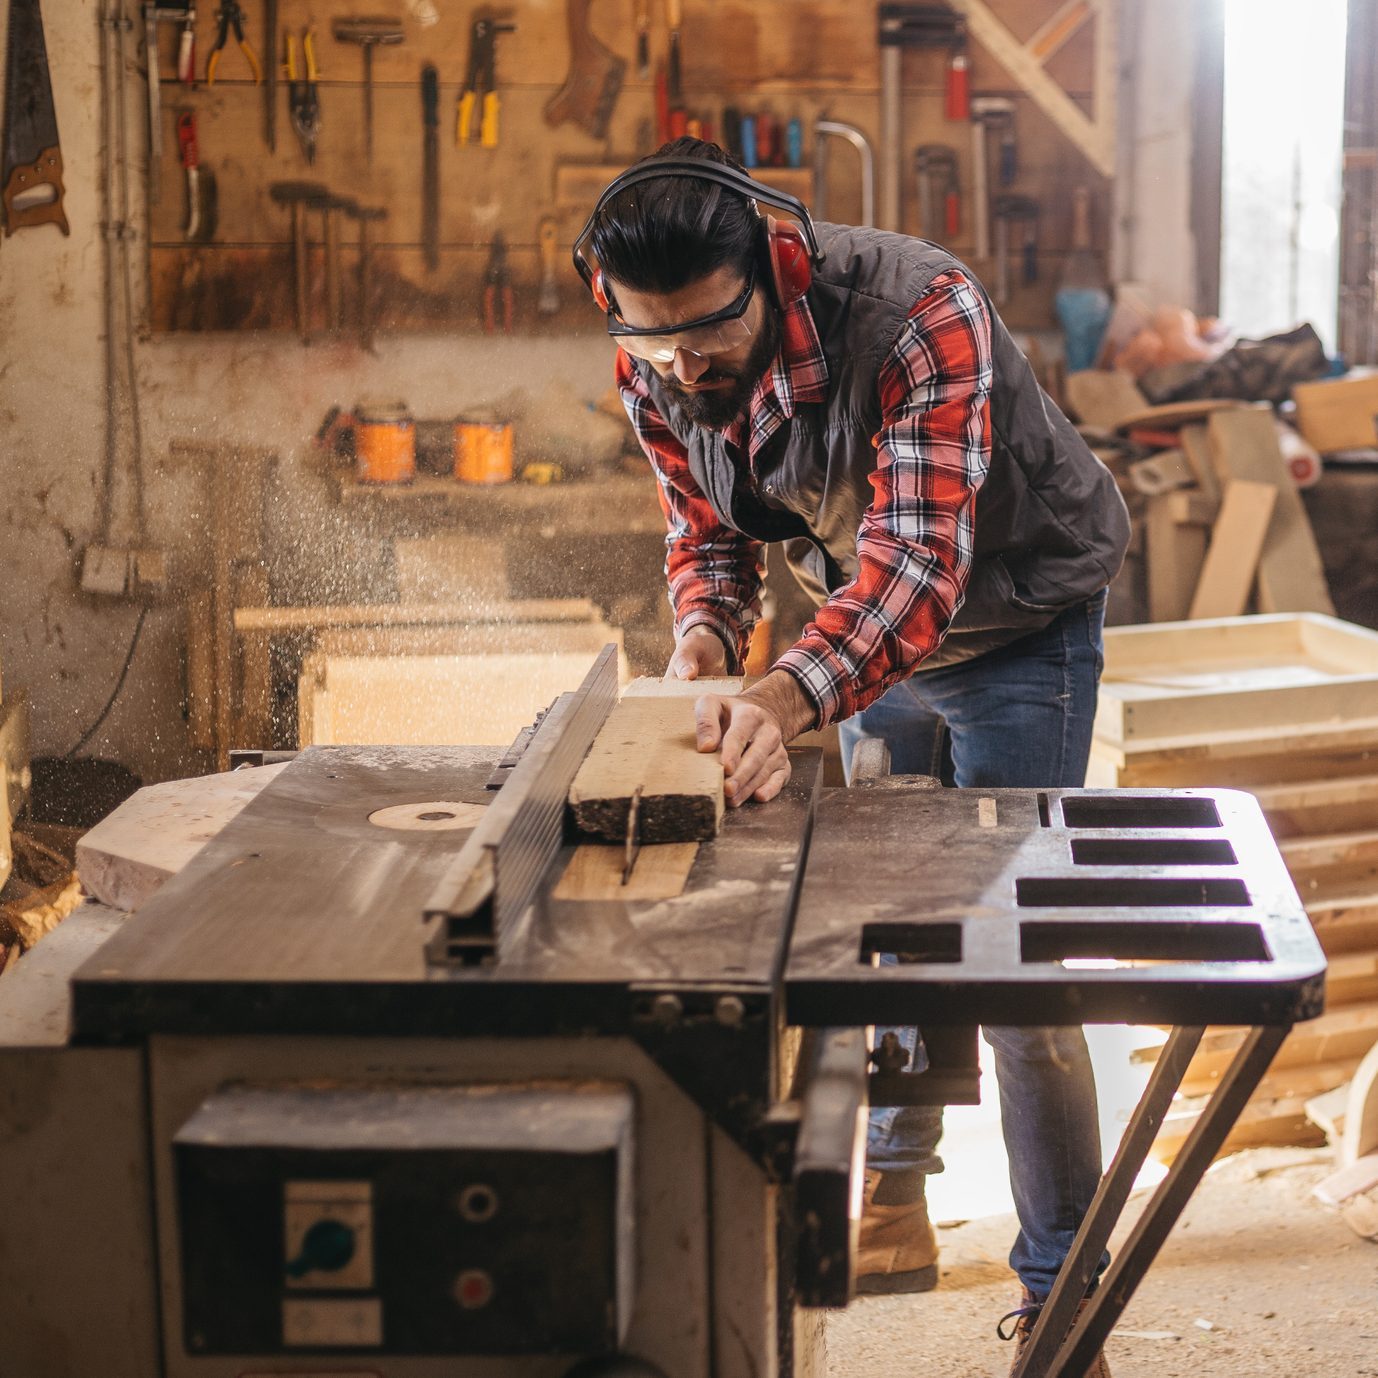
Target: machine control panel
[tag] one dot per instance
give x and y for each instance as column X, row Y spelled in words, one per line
column 417, row 1220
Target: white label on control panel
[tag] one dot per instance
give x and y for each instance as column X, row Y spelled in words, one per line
column 986, row 814
column 333, row 1323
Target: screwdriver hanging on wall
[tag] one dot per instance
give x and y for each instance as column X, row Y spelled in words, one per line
column 430, row 166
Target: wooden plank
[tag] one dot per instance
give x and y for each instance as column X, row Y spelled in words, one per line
column 1176, row 553
column 1339, row 413
column 653, row 687
column 595, row 872
column 1346, row 922
column 1246, row 510
column 478, row 700
column 1196, row 445
column 1100, row 397
column 497, row 638
column 1211, row 681
column 1312, row 807
column 1351, row 977
column 1351, row 851
column 648, row 744
column 1291, row 577
column 1310, row 1079
column 1361, row 1112
column 309, row 618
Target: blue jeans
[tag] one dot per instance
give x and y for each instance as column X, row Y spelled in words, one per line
column 1016, row 717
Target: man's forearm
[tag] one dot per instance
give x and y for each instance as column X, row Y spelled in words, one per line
column 780, row 694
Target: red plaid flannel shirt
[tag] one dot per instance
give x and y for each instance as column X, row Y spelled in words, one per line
column 914, row 544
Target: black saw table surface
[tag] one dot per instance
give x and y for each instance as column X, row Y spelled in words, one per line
column 1005, row 906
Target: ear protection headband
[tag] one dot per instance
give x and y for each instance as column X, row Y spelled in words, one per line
column 791, row 250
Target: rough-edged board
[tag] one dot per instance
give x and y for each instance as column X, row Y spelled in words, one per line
column 1236, row 546
column 1291, row 577
column 649, row 744
column 650, row 687
column 595, row 872
column 1176, row 553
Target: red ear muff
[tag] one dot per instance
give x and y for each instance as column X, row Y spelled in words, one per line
column 600, row 292
column 791, row 266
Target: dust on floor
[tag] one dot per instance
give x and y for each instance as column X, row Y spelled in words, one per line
column 1282, row 1283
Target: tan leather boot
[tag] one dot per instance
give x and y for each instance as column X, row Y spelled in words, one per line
column 897, row 1251
column 1025, row 1318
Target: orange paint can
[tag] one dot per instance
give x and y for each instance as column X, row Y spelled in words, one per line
column 483, row 451
column 384, row 444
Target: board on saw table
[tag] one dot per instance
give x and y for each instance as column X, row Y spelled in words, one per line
column 647, row 751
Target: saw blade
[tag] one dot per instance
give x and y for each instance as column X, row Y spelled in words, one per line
column 30, row 120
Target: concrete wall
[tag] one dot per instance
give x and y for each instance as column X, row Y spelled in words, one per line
column 67, row 647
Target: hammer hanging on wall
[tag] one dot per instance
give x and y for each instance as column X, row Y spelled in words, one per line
column 368, row 33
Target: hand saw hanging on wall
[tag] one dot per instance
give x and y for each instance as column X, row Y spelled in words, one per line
column 31, row 179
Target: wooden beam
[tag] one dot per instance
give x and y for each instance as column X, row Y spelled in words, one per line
column 1236, row 546
column 1058, row 28
column 1094, row 137
column 595, row 872
column 1291, row 577
column 297, row 619
column 648, row 744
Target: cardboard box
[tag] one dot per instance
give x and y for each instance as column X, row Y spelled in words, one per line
column 1339, row 413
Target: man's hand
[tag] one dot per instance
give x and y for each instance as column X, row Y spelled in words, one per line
column 699, row 653
column 753, row 729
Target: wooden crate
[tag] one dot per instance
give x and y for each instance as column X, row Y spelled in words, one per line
column 1176, row 680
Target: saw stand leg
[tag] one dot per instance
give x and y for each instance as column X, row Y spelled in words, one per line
column 1059, row 1349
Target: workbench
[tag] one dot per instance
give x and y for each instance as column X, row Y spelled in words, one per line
column 354, row 1092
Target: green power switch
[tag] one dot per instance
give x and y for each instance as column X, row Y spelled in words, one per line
column 326, row 1247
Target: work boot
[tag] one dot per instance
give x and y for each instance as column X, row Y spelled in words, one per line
column 897, row 1251
column 1025, row 1317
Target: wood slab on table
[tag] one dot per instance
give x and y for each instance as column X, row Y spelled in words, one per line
column 648, row 745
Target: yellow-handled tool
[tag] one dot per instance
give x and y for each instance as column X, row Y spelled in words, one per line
column 476, row 116
column 231, row 16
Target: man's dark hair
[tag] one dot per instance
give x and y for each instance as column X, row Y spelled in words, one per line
column 667, row 232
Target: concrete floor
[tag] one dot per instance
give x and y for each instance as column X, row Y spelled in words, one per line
column 1258, row 1280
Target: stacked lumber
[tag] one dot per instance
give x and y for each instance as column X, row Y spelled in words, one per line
column 1219, row 524
column 1285, row 707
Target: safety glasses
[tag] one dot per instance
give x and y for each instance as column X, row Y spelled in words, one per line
column 714, row 334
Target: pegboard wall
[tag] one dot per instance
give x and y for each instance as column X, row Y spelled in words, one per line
column 796, row 59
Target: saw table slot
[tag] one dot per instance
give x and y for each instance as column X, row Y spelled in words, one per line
column 1138, row 811
column 1152, row 851
column 1172, row 941
column 1116, row 892
column 912, row 942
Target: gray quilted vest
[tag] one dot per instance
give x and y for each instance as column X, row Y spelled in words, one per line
column 1051, row 526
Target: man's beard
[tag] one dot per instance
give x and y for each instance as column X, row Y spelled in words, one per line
column 720, row 407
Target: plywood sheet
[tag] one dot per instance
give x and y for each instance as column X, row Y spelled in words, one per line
column 648, row 746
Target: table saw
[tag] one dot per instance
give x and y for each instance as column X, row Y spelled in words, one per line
column 361, row 1092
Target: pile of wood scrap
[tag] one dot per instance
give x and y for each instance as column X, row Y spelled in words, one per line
column 1212, row 486
column 1285, row 707
column 41, row 891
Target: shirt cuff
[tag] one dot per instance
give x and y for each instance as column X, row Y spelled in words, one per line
column 824, row 678
column 727, row 633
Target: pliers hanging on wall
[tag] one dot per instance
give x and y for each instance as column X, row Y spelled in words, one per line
column 231, row 15
column 303, row 99
column 479, row 94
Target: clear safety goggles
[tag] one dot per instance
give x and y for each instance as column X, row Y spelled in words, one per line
column 713, row 334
